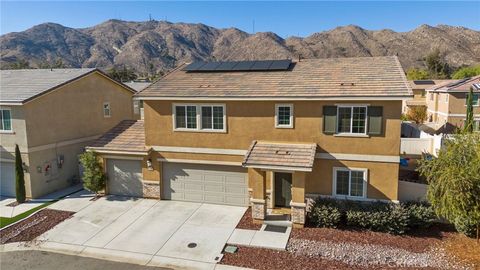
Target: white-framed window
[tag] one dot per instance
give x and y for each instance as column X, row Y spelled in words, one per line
column 350, row 182
column 199, row 117
column 284, row 115
column 352, row 119
column 106, row 109
column 5, row 120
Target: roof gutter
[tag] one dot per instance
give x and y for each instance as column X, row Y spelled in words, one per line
column 299, row 98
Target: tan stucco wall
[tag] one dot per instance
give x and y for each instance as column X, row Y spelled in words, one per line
column 382, row 178
column 254, row 120
column 457, row 104
column 75, row 110
column 18, row 134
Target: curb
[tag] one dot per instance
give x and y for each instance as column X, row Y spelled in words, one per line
column 114, row 255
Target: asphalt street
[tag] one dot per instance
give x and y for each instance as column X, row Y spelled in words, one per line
column 42, row 260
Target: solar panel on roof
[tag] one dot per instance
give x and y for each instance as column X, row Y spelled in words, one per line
column 209, row 66
column 457, row 82
column 261, row 65
column 244, row 65
column 226, row 66
column 280, row 64
column 423, row 82
column 194, row 66
column 476, row 86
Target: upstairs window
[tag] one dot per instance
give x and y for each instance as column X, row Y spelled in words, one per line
column 192, row 117
column 476, row 99
column 284, row 115
column 106, row 109
column 352, row 119
column 5, row 120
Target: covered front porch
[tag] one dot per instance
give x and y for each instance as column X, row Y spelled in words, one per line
column 277, row 174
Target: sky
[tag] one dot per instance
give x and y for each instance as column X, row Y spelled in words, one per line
column 284, row 18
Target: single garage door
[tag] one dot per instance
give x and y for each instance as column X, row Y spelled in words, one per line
column 7, row 179
column 125, row 177
column 205, row 183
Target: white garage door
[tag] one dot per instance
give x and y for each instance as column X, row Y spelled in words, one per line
column 205, row 183
column 7, row 179
column 125, row 177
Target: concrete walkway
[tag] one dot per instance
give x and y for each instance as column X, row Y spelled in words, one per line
column 269, row 236
column 147, row 231
column 11, row 211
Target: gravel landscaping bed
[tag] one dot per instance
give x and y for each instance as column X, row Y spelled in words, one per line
column 247, row 221
column 419, row 241
column 30, row 228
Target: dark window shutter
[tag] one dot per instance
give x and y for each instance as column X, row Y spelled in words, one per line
column 329, row 119
column 375, row 120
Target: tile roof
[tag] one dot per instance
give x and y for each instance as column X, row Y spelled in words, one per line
column 137, row 86
column 18, row 86
column 286, row 156
column 320, row 78
column 462, row 85
column 128, row 135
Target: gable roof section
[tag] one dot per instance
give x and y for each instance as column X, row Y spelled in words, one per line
column 22, row 85
column 334, row 78
column 127, row 136
column 460, row 86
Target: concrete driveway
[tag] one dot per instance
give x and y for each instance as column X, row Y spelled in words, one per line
column 151, row 227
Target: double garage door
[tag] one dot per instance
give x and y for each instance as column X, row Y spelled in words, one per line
column 205, row 183
column 7, row 179
column 183, row 182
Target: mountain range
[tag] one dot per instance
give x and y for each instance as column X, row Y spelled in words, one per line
column 153, row 46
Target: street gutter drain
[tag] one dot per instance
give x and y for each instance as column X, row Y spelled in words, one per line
column 192, row 245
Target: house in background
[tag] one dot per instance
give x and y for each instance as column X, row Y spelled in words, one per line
column 52, row 114
column 446, row 102
column 267, row 133
column 419, row 93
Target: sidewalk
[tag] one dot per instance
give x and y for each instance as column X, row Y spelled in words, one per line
column 115, row 255
column 12, row 211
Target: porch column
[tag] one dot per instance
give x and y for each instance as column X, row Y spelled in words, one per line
column 298, row 199
column 151, row 176
column 257, row 181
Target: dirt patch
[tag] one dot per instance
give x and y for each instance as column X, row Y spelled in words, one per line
column 419, row 241
column 465, row 250
column 247, row 221
column 264, row 259
column 32, row 227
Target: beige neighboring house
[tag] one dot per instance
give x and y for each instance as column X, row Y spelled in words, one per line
column 446, row 102
column 52, row 114
column 270, row 134
column 419, row 88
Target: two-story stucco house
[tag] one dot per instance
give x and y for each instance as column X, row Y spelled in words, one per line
column 267, row 133
column 447, row 102
column 419, row 93
column 52, row 115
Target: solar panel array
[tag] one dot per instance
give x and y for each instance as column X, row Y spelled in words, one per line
column 476, row 86
column 457, row 82
column 423, row 82
column 263, row 65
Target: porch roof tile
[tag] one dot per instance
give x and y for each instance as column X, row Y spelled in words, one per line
column 281, row 156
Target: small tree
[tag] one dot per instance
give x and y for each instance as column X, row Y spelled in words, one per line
column 469, row 119
column 93, row 176
column 454, row 182
column 417, row 114
column 466, row 72
column 19, row 177
column 417, row 74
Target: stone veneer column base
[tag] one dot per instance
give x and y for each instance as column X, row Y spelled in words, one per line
column 151, row 189
column 298, row 213
column 259, row 209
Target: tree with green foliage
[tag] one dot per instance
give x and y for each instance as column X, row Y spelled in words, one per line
column 19, row 177
column 93, row 177
column 55, row 64
column 417, row 74
column 454, row 182
column 122, row 75
column 19, row 64
column 417, row 114
column 469, row 123
column 437, row 67
column 466, row 72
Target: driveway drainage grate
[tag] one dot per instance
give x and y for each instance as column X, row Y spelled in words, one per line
column 192, row 245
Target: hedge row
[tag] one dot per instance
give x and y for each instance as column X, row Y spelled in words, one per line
column 376, row 216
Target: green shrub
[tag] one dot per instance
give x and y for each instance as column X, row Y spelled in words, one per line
column 325, row 216
column 466, row 225
column 421, row 214
column 382, row 217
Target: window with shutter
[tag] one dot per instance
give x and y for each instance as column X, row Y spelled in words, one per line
column 375, row 120
column 329, row 119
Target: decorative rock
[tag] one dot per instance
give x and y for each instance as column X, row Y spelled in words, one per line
column 259, row 209
column 151, row 189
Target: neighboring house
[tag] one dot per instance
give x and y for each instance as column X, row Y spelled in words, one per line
column 52, row 114
column 267, row 133
column 447, row 102
column 138, row 86
column 419, row 93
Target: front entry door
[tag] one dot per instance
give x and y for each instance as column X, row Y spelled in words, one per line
column 283, row 189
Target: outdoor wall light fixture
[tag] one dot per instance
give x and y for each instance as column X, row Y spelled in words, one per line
column 149, row 164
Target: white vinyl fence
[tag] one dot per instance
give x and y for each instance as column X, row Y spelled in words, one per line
column 417, row 146
column 409, row 191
